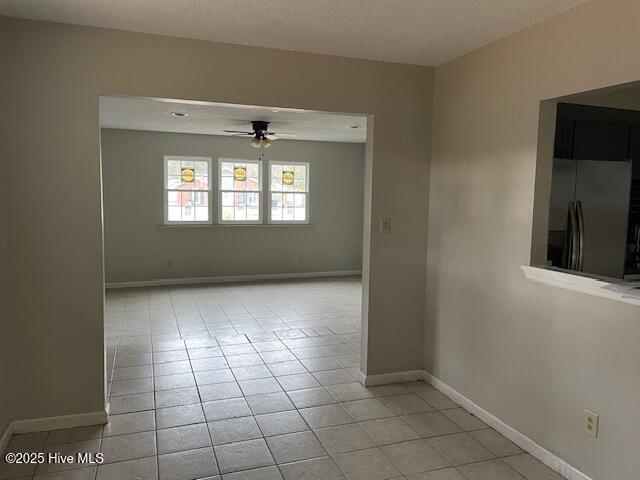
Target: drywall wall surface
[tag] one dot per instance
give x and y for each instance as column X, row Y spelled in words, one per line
column 136, row 249
column 533, row 355
column 56, row 74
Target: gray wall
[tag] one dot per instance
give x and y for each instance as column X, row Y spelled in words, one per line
column 54, row 76
column 533, row 355
column 135, row 249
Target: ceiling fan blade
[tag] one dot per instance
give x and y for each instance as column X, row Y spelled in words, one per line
column 283, row 134
column 239, row 131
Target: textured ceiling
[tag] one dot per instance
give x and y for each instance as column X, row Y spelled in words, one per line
column 421, row 32
column 211, row 119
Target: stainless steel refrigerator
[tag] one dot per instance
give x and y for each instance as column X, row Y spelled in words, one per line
column 588, row 215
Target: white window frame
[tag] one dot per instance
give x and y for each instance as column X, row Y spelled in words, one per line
column 166, row 190
column 307, row 193
column 259, row 192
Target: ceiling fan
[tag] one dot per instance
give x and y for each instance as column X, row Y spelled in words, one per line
column 262, row 137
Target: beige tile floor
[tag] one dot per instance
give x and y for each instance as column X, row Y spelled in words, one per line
column 259, row 382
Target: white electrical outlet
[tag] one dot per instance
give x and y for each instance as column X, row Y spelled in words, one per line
column 590, row 423
column 385, row 225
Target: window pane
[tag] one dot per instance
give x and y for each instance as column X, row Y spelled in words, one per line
column 173, row 181
column 226, row 183
column 241, row 213
column 287, row 213
column 226, row 169
column 202, row 169
column 173, row 167
column 173, row 214
column 184, row 206
column 227, row 213
column 300, row 214
column 173, row 198
column 300, row 172
column 253, row 214
column 240, row 198
column 188, row 213
column 287, row 199
column 276, row 183
column 187, row 174
column 227, row 199
column 300, row 200
column 276, row 213
column 253, row 199
column 252, row 170
column 202, row 214
column 243, row 176
column 201, row 183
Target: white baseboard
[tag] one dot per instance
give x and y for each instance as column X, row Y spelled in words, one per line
column 395, row 377
column 51, row 423
column 231, row 279
column 524, row 442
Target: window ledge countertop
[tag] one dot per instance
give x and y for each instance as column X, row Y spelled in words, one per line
column 613, row 289
column 164, row 226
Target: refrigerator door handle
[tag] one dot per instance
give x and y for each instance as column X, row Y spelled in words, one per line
column 580, row 220
column 566, row 254
column 573, row 240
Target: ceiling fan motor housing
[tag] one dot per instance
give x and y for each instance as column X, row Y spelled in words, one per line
column 260, row 127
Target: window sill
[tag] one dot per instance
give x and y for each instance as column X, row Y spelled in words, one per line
column 612, row 289
column 172, row 226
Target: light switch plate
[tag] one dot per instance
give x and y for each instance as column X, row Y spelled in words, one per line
column 591, row 421
column 385, row 225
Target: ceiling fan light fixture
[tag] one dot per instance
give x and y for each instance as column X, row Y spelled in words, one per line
column 260, row 142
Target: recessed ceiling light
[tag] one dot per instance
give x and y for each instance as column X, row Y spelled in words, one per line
column 179, row 114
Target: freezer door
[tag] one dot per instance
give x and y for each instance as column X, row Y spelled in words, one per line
column 603, row 189
column 563, row 185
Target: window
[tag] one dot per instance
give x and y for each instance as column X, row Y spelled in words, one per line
column 289, row 192
column 186, row 189
column 240, row 191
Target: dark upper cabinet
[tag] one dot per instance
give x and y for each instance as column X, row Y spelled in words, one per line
column 634, row 145
column 600, row 141
column 563, row 147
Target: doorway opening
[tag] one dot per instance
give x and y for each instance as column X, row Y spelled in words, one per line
column 233, row 240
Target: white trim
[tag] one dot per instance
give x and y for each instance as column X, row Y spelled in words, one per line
column 524, row 442
column 362, row 377
column 57, row 423
column 52, row 423
column 394, row 377
column 231, row 279
column 601, row 287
